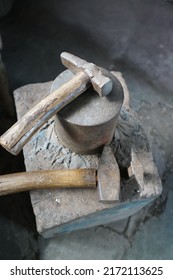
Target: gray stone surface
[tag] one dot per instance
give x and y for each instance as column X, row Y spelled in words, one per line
column 154, row 237
column 17, row 231
column 85, row 244
column 155, row 114
column 65, row 210
column 142, row 228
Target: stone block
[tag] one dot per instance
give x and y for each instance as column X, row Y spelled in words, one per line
column 65, row 210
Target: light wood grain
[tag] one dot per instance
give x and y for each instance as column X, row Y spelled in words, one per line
column 45, row 179
column 18, row 135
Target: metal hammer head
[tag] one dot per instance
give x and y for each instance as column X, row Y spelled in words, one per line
column 108, row 177
column 102, row 84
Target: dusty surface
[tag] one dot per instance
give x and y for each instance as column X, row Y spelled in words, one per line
column 68, row 210
column 93, row 109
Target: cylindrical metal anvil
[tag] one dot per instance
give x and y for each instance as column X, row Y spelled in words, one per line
column 88, row 123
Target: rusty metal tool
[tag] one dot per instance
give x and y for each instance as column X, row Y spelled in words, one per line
column 106, row 178
column 17, row 136
column 109, row 176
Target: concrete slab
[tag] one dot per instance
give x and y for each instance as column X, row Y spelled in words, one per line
column 65, row 210
column 154, row 238
column 96, row 243
column 141, row 227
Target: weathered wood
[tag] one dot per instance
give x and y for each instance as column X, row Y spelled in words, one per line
column 136, row 169
column 16, row 137
column 62, row 210
column 45, row 179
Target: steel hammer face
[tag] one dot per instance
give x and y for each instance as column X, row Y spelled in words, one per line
column 101, row 84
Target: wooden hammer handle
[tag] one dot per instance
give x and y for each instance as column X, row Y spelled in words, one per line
column 45, row 179
column 17, row 136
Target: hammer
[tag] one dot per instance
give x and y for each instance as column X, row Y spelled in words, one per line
column 18, row 135
column 106, row 178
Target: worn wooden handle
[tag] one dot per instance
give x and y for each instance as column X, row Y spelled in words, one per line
column 44, row 179
column 17, row 136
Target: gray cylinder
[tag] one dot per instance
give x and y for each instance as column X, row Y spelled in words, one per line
column 89, row 122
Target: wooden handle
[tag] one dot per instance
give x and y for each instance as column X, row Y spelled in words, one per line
column 44, row 179
column 17, row 136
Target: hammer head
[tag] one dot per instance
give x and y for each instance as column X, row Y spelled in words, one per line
column 108, row 177
column 102, row 84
